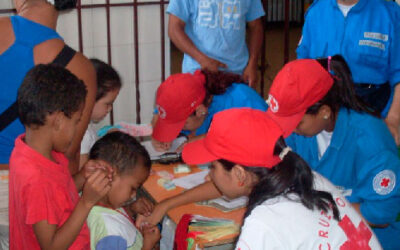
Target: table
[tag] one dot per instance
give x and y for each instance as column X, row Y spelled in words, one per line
column 158, row 194
column 4, row 209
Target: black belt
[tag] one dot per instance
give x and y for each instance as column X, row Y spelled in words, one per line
column 369, row 85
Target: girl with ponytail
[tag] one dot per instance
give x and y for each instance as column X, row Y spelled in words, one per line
column 289, row 207
column 189, row 101
column 340, row 137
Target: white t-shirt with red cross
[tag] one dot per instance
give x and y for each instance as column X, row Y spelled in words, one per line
column 283, row 223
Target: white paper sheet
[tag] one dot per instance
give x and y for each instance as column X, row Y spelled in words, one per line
column 191, row 180
column 231, row 204
column 154, row 154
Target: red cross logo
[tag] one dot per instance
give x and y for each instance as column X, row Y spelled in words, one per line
column 358, row 238
column 385, row 182
column 273, row 103
column 161, row 111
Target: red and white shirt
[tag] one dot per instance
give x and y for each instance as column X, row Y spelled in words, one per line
column 283, row 223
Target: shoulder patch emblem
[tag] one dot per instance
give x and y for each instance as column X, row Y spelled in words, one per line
column 384, row 182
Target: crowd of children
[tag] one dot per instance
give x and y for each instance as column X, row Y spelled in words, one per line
column 248, row 154
column 46, row 211
column 318, row 164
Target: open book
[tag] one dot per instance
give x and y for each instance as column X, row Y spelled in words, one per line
column 224, row 204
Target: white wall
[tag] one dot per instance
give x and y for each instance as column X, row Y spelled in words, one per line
column 122, row 50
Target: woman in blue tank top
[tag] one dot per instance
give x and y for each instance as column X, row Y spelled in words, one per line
column 27, row 39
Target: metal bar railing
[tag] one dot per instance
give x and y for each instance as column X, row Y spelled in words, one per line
column 136, row 46
column 275, row 11
column 162, row 26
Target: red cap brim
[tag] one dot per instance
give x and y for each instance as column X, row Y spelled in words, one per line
column 165, row 132
column 287, row 123
column 196, row 153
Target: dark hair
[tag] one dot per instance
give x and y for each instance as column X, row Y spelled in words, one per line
column 291, row 175
column 64, row 4
column 120, row 150
column 218, row 82
column 107, row 78
column 48, row 88
column 342, row 93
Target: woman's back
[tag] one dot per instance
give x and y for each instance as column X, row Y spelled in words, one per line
column 15, row 61
column 32, row 40
column 238, row 95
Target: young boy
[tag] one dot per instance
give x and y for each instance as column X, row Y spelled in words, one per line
column 45, row 209
column 110, row 225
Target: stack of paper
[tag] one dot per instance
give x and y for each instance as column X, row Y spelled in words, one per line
column 226, row 204
column 212, row 228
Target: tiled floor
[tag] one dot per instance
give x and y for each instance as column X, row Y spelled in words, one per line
column 274, row 52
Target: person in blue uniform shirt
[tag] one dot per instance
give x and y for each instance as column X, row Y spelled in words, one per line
column 341, row 138
column 189, row 101
column 367, row 34
column 212, row 35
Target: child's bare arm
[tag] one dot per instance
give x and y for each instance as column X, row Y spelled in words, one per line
column 142, row 206
column 205, row 191
column 83, row 158
column 151, row 235
column 49, row 237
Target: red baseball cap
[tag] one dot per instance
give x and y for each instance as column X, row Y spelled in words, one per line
column 299, row 85
column 241, row 135
column 177, row 98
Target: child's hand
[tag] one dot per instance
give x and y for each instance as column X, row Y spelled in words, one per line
column 160, row 146
column 154, row 218
column 142, row 206
column 96, row 186
column 180, row 148
column 92, row 165
column 151, row 235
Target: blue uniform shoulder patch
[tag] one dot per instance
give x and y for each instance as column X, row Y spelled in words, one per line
column 384, row 182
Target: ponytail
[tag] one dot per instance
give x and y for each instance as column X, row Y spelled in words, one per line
column 342, row 93
column 218, row 82
column 291, row 175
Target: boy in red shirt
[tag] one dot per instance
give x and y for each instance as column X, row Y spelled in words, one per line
column 45, row 209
